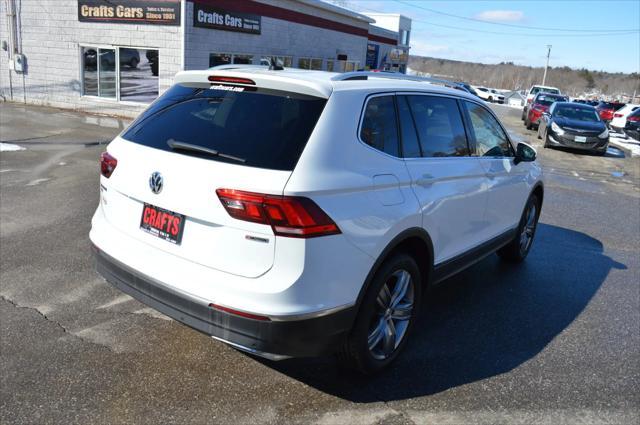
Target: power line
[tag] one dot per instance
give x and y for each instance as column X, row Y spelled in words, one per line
column 514, row 25
column 524, row 34
column 422, row 21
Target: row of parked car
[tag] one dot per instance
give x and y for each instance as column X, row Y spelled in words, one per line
column 577, row 125
column 484, row 93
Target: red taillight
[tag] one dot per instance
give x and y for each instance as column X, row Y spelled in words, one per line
column 233, row 80
column 107, row 164
column 291, row 216
column 634, row 118
column 239, row 313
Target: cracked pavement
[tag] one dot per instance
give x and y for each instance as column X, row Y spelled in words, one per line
column 555, row 340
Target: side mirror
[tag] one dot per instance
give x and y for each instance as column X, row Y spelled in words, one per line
column 524, row 153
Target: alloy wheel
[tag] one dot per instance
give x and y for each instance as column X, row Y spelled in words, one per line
column 526, row 237
column 392, row 314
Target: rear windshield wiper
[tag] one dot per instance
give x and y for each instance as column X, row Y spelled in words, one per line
column 182, row 146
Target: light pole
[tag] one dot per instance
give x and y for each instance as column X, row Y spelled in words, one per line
column 544, row 78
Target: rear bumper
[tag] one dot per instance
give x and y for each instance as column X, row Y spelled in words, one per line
column 275, row 340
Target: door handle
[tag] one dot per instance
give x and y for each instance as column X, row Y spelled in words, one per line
column 425, row 180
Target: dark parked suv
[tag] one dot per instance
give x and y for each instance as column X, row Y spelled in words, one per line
column 632, row 127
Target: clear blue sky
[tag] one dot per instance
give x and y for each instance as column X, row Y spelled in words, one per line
column 576, row 49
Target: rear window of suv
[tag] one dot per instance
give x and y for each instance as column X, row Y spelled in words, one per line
column 254, row 127
column 537, row 90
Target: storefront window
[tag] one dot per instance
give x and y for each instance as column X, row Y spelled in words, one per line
column 309, row 63
column 107, row 73
column 216, row 59
column 304, row 63
column 316, row 64
column 285, row 61
column 243, row 59
column 350, row 66
column 330, row 65
column 138, row 75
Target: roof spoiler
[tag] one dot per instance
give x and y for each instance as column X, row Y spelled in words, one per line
column 262, row 77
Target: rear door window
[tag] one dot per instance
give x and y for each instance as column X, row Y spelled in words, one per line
column 439, row 124
column 254, row 127
column 379, row 125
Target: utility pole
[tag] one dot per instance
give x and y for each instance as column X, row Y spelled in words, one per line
column 544, row 78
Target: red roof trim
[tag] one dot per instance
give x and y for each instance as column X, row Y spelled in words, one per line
column 384, row 40
column 251, row 6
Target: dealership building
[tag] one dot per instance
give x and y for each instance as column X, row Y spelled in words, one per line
column 116, row 56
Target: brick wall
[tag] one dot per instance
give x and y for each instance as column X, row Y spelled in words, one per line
column 50, row 36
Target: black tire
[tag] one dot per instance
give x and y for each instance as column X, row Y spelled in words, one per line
column 523, row 114
column 490, row 99
column 546, row 141
column 527, row 124
column 517, row 250
column 356, row 353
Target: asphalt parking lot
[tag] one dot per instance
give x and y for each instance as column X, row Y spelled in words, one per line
column 554, row 340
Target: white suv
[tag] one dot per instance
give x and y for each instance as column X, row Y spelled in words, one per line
column 297, row 213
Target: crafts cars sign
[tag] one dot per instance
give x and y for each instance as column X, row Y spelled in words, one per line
column 147, row 12
column 215, row 18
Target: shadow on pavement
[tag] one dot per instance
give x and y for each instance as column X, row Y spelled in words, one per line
column 612, row 151
column 483, row 322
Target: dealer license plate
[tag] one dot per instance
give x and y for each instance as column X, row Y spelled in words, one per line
column 162, row 223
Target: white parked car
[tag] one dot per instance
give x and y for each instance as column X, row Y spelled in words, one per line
column 620, row 117
column 490, row 95
column 296, row 213
column 496, row 96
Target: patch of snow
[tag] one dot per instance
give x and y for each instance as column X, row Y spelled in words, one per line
column 629, row 144
column 9, row 147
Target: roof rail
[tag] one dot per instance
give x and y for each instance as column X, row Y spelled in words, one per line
column 364, row 75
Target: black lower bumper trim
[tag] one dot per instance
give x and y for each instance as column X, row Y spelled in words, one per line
column 291, row 338
column 591, row 144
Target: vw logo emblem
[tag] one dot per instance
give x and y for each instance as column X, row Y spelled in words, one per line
column 156, row 182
